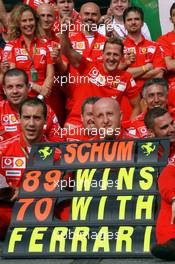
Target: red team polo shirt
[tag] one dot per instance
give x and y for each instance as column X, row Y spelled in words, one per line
column 17, row 53
column 166, row 182
column 146, row 51
column 93, row 53
column 167, row 43
column 10, row 123
column 135, row 128
column 14, row 155
column 96, row 82
column 81, row 45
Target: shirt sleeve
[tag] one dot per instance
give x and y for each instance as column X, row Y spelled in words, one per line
column 8, row 53
column 52, row 129
column 166, row 183
column 145, row 31
column 166, row 46
column 158, row 58
column 132, row 90
column 48, row 56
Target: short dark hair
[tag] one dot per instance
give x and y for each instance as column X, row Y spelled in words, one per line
column 159, row 81
column 171, row 9
column 152, row 114
column 117, row 41
column 89, row 100
column 16, row 72
column 133, row 9
column 34, row 101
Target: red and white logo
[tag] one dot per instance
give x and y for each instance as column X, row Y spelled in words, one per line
column 94, row 72
column 13, row 162
column 9, row 119
column 143, row 130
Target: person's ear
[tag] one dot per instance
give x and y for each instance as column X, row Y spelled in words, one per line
column 121, row 116
column 4, row 89
column 81, row 118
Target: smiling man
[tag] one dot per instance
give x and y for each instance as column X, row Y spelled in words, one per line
column 87, row 130
column 16, row 88
column 99, row 78
column 155, row 94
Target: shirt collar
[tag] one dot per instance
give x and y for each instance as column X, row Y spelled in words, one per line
column 133, row 42
column 22, row 41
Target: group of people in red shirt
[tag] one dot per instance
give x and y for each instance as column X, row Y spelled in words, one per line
column 99, row 77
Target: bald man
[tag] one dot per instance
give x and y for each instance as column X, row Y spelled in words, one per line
column 47, row 19
column 89, row 42
column 90, row 15
column 107, row 117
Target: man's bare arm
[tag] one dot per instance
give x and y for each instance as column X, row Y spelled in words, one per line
column 3, row 17
column 73, row 56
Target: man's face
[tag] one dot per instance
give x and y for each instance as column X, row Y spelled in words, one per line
column 87, row 117
column 32, row 122
column 164, row 126
column 111, row 57
column 15, row 89
column 155, row 96
column 172, row 18
column 90, row 15
column 118, row 7
column 46, row 17
column 133, row 22
column 65, row 7
column 107, row 117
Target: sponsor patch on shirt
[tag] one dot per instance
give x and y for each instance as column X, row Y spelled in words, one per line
column 101, row 46
column 97, row 46
column 151, row 49
column 121, row 86
column 143, row 50
column 10, row 128
column 13, row 162
column 131, row 131
column 13, row 173
column 55, row 119
column 94, row 72
column 80, row 45
column 101, row 80
column 8, row 47
column 42, row 51
column 143, row 130
column 21, row 58
column 133, row 83
column 9, row 119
